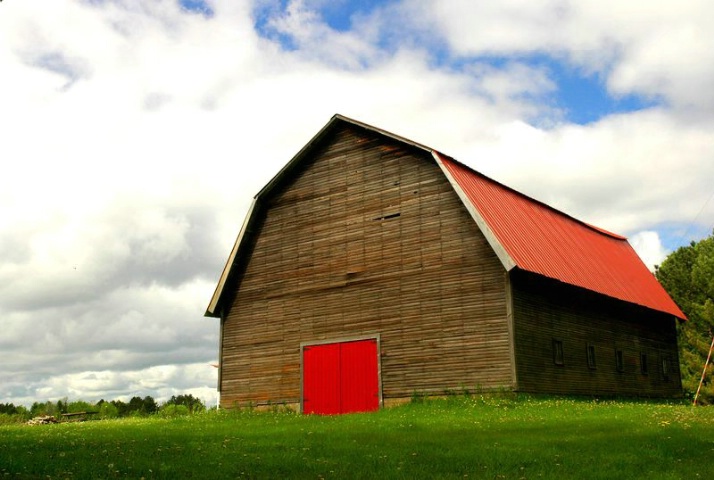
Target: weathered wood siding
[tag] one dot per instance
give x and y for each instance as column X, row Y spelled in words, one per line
column 368, row 238
column 545, row 310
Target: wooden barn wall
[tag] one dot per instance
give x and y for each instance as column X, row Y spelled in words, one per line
column 546, row 310
column 369, row 238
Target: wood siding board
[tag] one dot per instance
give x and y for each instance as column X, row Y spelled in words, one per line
column 511, row 331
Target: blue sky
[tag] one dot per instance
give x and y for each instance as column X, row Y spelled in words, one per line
column 197, row 6
column 153, row 137
column 581, row 96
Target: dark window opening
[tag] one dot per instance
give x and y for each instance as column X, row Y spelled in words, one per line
column 619, row 361
column 387, row 217
column 665, row 368
column 591, row 356
column 643, row 363
column 558, row 352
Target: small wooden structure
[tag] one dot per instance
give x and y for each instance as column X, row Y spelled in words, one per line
column 77, row 416
column 373, row 267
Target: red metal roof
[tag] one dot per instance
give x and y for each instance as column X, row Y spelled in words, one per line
column 542, row 240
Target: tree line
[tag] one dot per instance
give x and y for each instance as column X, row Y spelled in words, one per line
column 135, row 407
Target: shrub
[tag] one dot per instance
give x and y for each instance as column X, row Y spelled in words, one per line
column 10, row 418
column 80, row 406
column 107, row 410
column 173, row 411
column 40, row 409
column 193, row 404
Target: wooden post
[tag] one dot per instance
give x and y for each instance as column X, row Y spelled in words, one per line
column 709, row 356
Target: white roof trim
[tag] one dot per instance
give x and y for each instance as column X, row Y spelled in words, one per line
column 497, row 247
column 211, row 310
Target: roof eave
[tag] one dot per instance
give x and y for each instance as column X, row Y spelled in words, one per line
column 213, row 307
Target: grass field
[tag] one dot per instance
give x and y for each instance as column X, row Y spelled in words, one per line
column 460, row 437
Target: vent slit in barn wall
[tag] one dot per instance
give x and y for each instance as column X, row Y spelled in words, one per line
column 387, row 217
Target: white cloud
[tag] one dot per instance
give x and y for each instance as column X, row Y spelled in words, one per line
column 649, row 247
column 655, row 49
column 624, row 173
column 318, row 42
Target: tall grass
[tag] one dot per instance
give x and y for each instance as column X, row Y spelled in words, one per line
column 464, row 437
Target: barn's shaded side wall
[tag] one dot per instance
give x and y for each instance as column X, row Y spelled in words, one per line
column 367, row 238
column 546, row 310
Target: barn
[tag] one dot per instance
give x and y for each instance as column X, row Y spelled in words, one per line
column 372, row 267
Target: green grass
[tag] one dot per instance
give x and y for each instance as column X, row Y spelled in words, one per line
column 472, row 437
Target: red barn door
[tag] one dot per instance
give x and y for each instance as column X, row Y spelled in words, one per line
column 321, row 379
column 340, row 377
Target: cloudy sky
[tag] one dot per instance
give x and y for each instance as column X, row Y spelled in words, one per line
column 134, row 133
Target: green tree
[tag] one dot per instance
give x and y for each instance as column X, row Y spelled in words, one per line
column 8, row 408
column 150, row 405
column 47, row 408
column 121, row 407
column 62, row 405
column 80, row 406
column 193, row 404
column 688, row 276
column 107, row 409
column 142, row 406
column 136, row 406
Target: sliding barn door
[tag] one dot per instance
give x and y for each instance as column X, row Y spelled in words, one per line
column 340, row 377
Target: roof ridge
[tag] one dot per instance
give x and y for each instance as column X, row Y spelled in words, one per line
column 401, row 138
column 590, row 226
column 380, row 131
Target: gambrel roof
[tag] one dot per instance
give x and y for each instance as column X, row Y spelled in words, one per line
column 524, row 233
